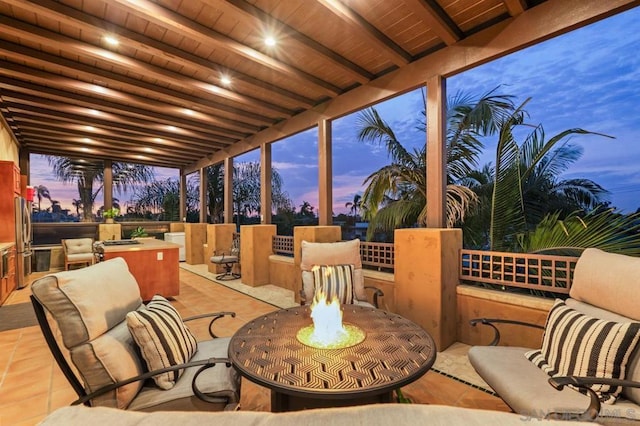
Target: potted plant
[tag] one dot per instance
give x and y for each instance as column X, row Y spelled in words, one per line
column 110, row 214
column 139, row 232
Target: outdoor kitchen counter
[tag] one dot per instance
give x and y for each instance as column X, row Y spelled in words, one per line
column 153, row 263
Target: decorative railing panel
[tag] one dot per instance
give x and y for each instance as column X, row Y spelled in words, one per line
column 283, row 244
column 379, row 256
column 522, row 270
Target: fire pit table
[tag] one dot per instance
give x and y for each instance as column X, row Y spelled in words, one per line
column 394, row 353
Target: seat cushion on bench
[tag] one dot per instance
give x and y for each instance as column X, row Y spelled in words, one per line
column 525, row 387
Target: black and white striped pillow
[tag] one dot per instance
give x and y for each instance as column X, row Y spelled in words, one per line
column 575, row 344
column 163, row 338
column 334, row 280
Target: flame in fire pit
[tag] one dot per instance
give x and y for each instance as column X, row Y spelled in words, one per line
column 328, row 331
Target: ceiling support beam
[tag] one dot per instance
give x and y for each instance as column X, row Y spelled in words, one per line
column 374, row 36
column 431, row 13
column 265, row 184
column 228, row 190
column 203, row 195
column 325, row 174
column 436, row 160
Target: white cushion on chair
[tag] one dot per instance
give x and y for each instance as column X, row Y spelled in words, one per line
column 338, row 253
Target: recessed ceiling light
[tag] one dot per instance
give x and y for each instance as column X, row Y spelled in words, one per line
column 172, row 128
column 188, row 111
column 148, row 149
column 90, row 128
column 94, row 112
column 111, row 40
column 225, row 80
column 270, row 41
column 158, row 140
column 88, row 140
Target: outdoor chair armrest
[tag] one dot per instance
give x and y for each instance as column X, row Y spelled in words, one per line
column 204, row 363
column 376, row 293
column 216, row 316
column 496, row 336
column 585, row 383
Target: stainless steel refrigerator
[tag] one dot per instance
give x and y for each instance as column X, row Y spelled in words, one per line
column 23, row 241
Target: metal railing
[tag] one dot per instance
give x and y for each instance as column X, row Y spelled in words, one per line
column 377, row 256
column 521, row 270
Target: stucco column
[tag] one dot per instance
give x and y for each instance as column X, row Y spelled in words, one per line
column 426, row 276
column 219, row 240
column 195, row 236
column 317, row 234
column 256, row 245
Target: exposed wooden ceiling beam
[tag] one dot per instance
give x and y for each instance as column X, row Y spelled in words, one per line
column 155, row 13
column 60, row 149
column 77, row 18
column 171, row 154
column 131, row 131
column 134, row 105
column 58, row 41
column 515, row 7
column 430, row 12
column 83, row 131
column 387, row 46
column 212, row 112
column 19, row 100
column 250, row 13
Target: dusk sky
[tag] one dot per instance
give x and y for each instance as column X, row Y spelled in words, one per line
column 589, row 79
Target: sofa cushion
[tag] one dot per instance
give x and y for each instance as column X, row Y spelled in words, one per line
column 334, row 281
column 163, row 338
column 608, row 281
column 338, row 253
column 580, row 345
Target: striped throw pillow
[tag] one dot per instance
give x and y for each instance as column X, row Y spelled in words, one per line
column 334, row 280
column 163, row 338
column 575, row 344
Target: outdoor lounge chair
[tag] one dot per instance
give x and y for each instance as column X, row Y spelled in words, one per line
column 113, row 341
column 228, row 260
column 78, row 251
column 344, row 257
column 595, row 329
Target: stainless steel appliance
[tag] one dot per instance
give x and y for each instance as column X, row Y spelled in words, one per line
column 23, row 240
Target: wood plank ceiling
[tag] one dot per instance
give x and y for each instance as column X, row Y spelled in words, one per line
column 189, row 78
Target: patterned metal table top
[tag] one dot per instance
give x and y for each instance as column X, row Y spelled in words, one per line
column 395, row 352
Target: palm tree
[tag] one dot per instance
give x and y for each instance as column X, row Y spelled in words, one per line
column 162, row 199
column 86, row 175
column 525, row 184
column 306, row 209
column 78, row 205
column 395, row 195
column 42, row 192
column 246, row 190
column 601, row 228
column 354, row 205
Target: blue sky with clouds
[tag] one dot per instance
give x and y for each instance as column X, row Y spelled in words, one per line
column 589, row 78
